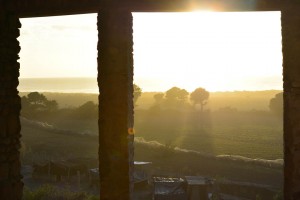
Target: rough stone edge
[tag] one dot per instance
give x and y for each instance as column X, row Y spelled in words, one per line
column 115, row 76
column 290, row 18
column 10, row 105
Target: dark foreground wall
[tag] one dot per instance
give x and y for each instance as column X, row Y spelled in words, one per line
column 115, row 67
column 10, row 178
column 115, row 79
column 290, row 17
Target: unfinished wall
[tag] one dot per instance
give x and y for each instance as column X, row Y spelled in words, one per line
column 115, row 82
column 115, row 76
column 10, row 104
column 290, row 16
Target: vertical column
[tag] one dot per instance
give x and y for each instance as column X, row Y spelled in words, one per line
column 10, row 105
column 290, row 18
column 115, row 77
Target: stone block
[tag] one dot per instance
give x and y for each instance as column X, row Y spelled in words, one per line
column 4, row 171
column 14, row 155
column 3, row 130
column 13, row 125
column 3, row 158
column 15, row 168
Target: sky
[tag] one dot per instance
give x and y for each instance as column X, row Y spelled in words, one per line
column 214, row 50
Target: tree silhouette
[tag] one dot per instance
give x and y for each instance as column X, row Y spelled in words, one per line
column 183, row 95
column 176, row 96
column 35, row 101
column 35, row 98
column 172, row 93
column 137, row 92
column 158, row 97
column 276, row 104
column 51, row 105
column 88, row 110
column 199, row 96
column 176, row 93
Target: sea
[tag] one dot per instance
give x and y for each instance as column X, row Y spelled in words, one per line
column 61, row 85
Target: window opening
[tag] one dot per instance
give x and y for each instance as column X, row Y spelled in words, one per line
column 228, row 127
column 58, row 86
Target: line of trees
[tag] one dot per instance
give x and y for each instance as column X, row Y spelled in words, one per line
column 174, row 98
column 178, row 98
column 36, row 105
column 276, row 104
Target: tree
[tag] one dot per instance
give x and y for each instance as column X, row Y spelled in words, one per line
column 158, row 97
column 172, row 93
column 51, row 105
column 176, row 96
column 137, row 92
column 182, row 95
column 35, row 101
column 88, row 110
column 276, row 104
column 176, row 93
column 24, row 102
column 199, row 96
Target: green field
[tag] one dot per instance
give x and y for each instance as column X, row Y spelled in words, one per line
column 239, row 124
column 234, row 123
column 44, row 145
column 249, row 134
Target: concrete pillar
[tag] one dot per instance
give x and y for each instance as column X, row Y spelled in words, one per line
column 290, row 17
column 115, row 76
column 10, row 105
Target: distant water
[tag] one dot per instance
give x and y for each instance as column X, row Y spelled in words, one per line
column 62, row 85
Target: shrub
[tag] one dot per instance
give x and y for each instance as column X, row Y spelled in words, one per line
column 49, row 192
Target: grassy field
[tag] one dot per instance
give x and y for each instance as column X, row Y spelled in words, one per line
column 260, row 138
column 249, row 134
column 252, row 142
column 245, row 127
column 42, row 145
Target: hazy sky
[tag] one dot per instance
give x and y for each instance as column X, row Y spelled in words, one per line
column 218, row 51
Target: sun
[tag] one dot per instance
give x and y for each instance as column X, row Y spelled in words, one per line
column 202, row 11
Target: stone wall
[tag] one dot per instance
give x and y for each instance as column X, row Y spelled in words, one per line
column 115, row 77
column 290, row 17
column 10, row 104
